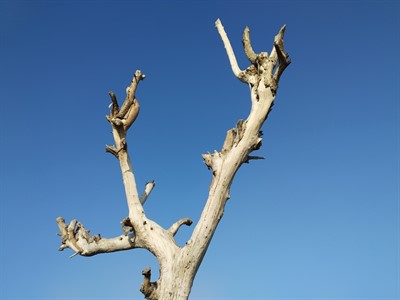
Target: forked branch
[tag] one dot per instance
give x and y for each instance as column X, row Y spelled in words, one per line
column 79, row 240
column 242, row 140
column 129, row 111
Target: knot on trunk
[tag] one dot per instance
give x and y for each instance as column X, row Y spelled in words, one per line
column 127, row 226
column 148, row 288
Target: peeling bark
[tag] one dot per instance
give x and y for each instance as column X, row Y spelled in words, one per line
column 179, row 265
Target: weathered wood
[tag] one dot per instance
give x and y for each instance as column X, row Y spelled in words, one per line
column 179, row 265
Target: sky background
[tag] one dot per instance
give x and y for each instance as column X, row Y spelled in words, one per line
column 318, row 219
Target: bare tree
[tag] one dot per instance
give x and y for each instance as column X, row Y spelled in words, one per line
column 178, row 265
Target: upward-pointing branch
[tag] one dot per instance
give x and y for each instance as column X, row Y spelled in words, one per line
column 239, row 142
column 229, row 51
column 248, row 49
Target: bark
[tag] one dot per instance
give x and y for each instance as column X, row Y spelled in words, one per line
column 179, row 265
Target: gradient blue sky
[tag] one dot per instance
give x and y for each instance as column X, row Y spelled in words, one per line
column 318, row 219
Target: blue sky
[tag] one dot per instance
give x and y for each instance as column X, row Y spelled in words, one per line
column 318, row 219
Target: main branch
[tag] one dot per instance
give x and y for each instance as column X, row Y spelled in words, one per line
column 243, row 139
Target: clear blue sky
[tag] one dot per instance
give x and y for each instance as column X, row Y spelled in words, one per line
column 318, row 219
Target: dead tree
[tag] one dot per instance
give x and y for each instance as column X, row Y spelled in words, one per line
column 178, row 265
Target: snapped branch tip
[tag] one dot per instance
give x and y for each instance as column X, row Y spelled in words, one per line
column 175, row 227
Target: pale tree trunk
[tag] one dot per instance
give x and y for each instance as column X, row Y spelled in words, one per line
column 179, row 265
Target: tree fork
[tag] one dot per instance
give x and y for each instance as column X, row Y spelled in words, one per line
column 179, row 265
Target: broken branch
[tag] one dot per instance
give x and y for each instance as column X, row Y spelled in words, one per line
column 248, row 49
column 229, row 51
column 78, row 239
column 149, row 187
column 175, row 227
